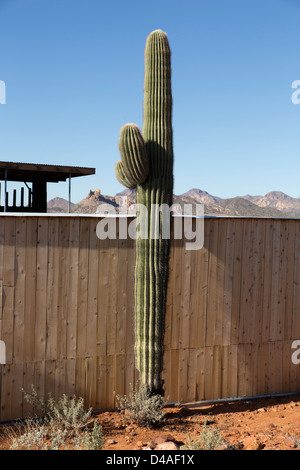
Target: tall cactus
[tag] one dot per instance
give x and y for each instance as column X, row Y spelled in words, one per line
column 147, row 165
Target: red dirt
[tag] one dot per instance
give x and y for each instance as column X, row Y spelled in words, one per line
column 263, row 424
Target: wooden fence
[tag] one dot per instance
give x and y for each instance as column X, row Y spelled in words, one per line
column 66, row 311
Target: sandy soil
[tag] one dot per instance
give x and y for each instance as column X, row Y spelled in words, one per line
column 254, row 425
column 264, row 424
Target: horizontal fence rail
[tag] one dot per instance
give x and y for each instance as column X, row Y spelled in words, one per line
column 67, row 304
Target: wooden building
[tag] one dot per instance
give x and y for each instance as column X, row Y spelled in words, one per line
column 38, row 175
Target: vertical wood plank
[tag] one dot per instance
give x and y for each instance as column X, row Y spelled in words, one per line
column 220, row 280
column 259, row 259
column 183, row 374
column 186, row 309
column 8, row 322
column 30, row 289
column 200, row 286
column 111, row 257
column 53, row 282
column 83, row 288
column 73, row 269
column 267, row 291
column 2, row 244
column 289, row 287
column 296, row 287
column 233, row 371
column 191, row 384
column 174, row 375
column 64, row 297
column 228, row 283
column 275, row 283
column 124, row 286
column 19, row 306
column 41, row 288
column 246, row 283
column 177, row 293
column 6, row 388
column 212, row 284
column 129, row 313
column 8, row 294
column 236, row 281
column 92, row 301
column 8, row 269
column 16, row 391
column 200, row 383
column 208, row 373
column 283, row 268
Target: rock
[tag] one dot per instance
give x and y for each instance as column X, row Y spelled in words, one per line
column 251, row 443
column 289, row 441
column 97, row 193
column 110, row 442
column 151, row 445
column 260, row 410
column 161, row 439
column 139, row 444
column 168, row 445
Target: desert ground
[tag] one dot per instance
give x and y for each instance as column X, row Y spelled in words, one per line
column 258, row 424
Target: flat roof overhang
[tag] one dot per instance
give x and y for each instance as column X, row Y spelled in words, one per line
column 30, row 172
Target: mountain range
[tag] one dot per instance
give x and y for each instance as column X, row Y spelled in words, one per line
column 273, row 204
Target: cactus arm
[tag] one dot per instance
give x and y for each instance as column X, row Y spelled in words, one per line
column 133, row 155
column 121, row 177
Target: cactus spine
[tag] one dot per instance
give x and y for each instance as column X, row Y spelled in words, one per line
column 147, row 165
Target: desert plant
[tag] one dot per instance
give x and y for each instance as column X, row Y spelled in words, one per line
column 37, row 436
column 142, row 407
column 91, row 439
column 38, row 403
column 64, row 423
column 34, row 435
column 67, row 413
column 209, row 439
column 147, row 165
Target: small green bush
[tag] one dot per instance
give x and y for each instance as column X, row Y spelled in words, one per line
column 209, row 439
column 65, row 423
column 91, row 439
column 142, row 407
column 66, row 413
column 31, row 439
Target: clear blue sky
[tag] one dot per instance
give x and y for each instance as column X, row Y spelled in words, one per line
column 74, row 73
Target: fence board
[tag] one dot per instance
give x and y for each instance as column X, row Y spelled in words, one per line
column 52, row 290
column 19, row 293
column 41, row 288
column 82, row 347
column 30, row 289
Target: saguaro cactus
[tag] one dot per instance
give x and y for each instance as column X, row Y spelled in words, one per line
column 147, row 165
